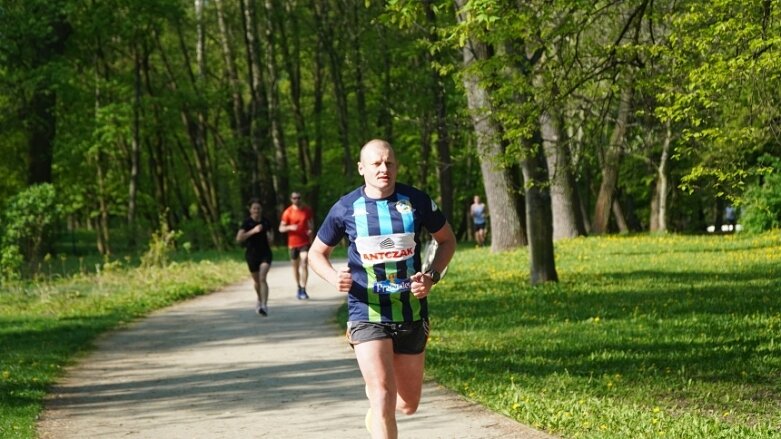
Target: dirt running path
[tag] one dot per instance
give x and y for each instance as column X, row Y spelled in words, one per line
column 211, row 368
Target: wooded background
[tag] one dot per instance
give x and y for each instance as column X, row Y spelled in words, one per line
column 570, row 117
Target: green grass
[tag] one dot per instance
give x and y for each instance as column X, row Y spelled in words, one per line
column 643, row 337
column 45, row 326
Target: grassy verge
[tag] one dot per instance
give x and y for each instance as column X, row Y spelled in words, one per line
column 644, row 337
column 45, row 325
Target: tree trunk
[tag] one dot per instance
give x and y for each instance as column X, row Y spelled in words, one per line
column 195, row 126
column 611, row 162
column 102, row 234
column 444, row 162
column 156, row 146
column 274, row 111
column 41, row 109
column 385, row 117
column 564, row 205
column 314, row 195
column 240, row 125
column 40, row 144
column 135, row 150
column 505, row 224
column 258, row 114
column 618, row 214
column 293, row 67
column 539, row 227
column 355, row 29
column 425, row 150
column 324, row 29
column 659, row 214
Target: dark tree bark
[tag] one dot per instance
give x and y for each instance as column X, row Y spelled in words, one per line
column 40, row 109
column 538, row 215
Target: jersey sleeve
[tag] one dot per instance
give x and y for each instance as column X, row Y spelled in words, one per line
column 433, row 218
column 332, row 230
column 246, row 225
column 285, row 218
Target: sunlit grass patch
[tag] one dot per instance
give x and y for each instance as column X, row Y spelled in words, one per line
column 44, row 325
column 645, row 336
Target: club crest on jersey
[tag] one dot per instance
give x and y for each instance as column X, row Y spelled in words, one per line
column 404, row 206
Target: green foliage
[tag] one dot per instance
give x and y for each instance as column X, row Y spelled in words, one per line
column 762, row 203
column 162, row 244
column 27, row 226
column 723, row 83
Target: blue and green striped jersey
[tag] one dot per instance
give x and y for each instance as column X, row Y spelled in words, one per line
column 384, row 250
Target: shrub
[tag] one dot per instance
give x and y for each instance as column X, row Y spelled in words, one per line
column 27, row 228
column 162, row 244
column 762, row 203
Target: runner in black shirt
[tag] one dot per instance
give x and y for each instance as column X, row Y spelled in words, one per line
column 256, row 235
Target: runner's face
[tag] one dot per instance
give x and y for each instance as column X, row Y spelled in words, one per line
column 255, row 210
column 378, row 167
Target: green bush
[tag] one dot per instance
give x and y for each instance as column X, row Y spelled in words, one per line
column 162, row 245
column 27, row 228
column 762, row 204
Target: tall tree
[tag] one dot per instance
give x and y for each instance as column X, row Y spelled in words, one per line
column 444, row 161
column 611, row 161
column 258, row 114
column 35, row 35
column 505, row 224
column 325, row 29
column 274, row 108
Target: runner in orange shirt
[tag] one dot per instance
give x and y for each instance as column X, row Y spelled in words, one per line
column 298, row 222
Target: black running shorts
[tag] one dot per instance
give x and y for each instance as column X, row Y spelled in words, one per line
column 408, row 338
column 254, row 259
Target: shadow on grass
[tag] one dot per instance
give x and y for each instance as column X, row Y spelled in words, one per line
column 644, row 325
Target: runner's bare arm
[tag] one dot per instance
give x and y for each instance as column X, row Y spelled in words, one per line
column 446, row 248
column 319, row 260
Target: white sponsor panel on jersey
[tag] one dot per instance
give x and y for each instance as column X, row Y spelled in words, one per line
column 386, row 248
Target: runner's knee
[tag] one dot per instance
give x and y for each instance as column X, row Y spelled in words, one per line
column 407, row 407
